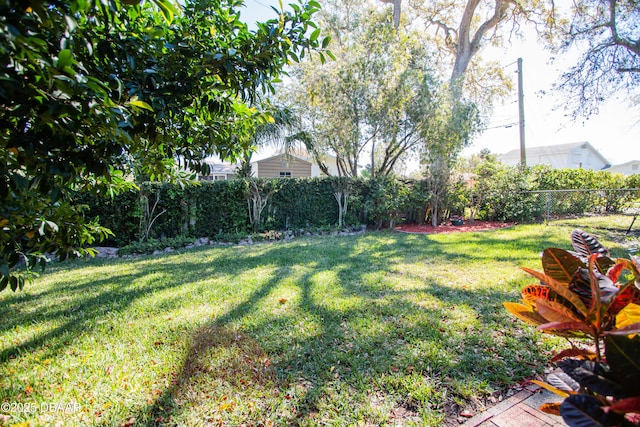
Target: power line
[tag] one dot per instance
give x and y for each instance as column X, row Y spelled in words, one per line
column 508, row 125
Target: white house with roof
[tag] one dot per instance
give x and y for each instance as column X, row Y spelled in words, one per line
column 577, row 155
column 219, row 171
column 628, row 168
column 298, row 164
column 281, row 166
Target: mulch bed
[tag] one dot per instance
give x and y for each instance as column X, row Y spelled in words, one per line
column 448, row 228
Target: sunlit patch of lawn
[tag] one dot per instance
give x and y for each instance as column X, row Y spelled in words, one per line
column 380, row 329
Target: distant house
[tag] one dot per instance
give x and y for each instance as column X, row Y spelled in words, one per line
column 298, row 164
column 576, row 155
column 219, row 172
column 628, row 168
column 281, row 166
column 331, row 162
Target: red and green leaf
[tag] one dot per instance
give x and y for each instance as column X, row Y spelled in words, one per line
column 596, row 300
column 615, row 271
column 556, row 312
column 632, row 329
column 628, row 316
column 578, row 329
column 560, row 288
column 560, row 264
column 628, row 294
column 551, row 388
column 574, row 353
column 625, row 406
column 564, row 382
column 581, row 285
column 586, row 244
column 551, row 408
column 534, row 292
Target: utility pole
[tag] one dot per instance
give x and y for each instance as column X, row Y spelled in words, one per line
column 523, row 154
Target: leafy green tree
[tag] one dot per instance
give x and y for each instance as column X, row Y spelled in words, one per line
column 382, row 98
column 88, row 86
column 469, row 164
column 281, row 128
column 447, row 133
column 375, row 99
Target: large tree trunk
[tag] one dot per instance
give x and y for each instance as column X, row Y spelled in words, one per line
column 468, row 45
column 256, row 202
column 396, row 12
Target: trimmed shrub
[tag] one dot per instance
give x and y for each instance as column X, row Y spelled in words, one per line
column 121, row 214
column 216, row 208
column 502, row 193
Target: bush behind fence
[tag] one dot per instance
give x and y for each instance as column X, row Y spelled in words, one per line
column 550, row 204
column 511, row 193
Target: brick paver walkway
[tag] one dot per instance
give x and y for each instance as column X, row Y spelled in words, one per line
column 520, row 410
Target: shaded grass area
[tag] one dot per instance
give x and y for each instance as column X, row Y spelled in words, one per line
column 379, row 329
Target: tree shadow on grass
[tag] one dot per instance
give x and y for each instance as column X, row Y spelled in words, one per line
column 409, row 353
column 245, row 365
column 200, row 385
column 385, row 357
column 355, row 349
column 72, row 319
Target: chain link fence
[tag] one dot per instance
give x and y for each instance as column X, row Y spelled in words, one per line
column 552, row 204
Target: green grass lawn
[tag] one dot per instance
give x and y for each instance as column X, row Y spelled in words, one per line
column 378, row 329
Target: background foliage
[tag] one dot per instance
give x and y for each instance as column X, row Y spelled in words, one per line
column 508, row 193
column 218, row 208
column 93, row 91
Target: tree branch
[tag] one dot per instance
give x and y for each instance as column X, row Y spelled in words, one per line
column 613, row 26
column 498, row 15
column 451, row 35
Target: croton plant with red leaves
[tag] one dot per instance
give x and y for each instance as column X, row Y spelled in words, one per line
column 585, row 294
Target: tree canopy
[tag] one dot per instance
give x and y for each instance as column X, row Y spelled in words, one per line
column 607, row 33
column 376, row 99
column 87, row 87
column 383, row 97
column 462, row 28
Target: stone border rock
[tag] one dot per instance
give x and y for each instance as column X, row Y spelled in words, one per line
column 288, row 235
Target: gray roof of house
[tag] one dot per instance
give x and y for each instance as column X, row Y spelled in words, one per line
column 631, row 162
column 288, row 157
column 554, row 150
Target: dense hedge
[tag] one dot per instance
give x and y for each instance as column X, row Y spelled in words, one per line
column 219, row 208
column 301, row 203
column 510, row 193
column 121, row 214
